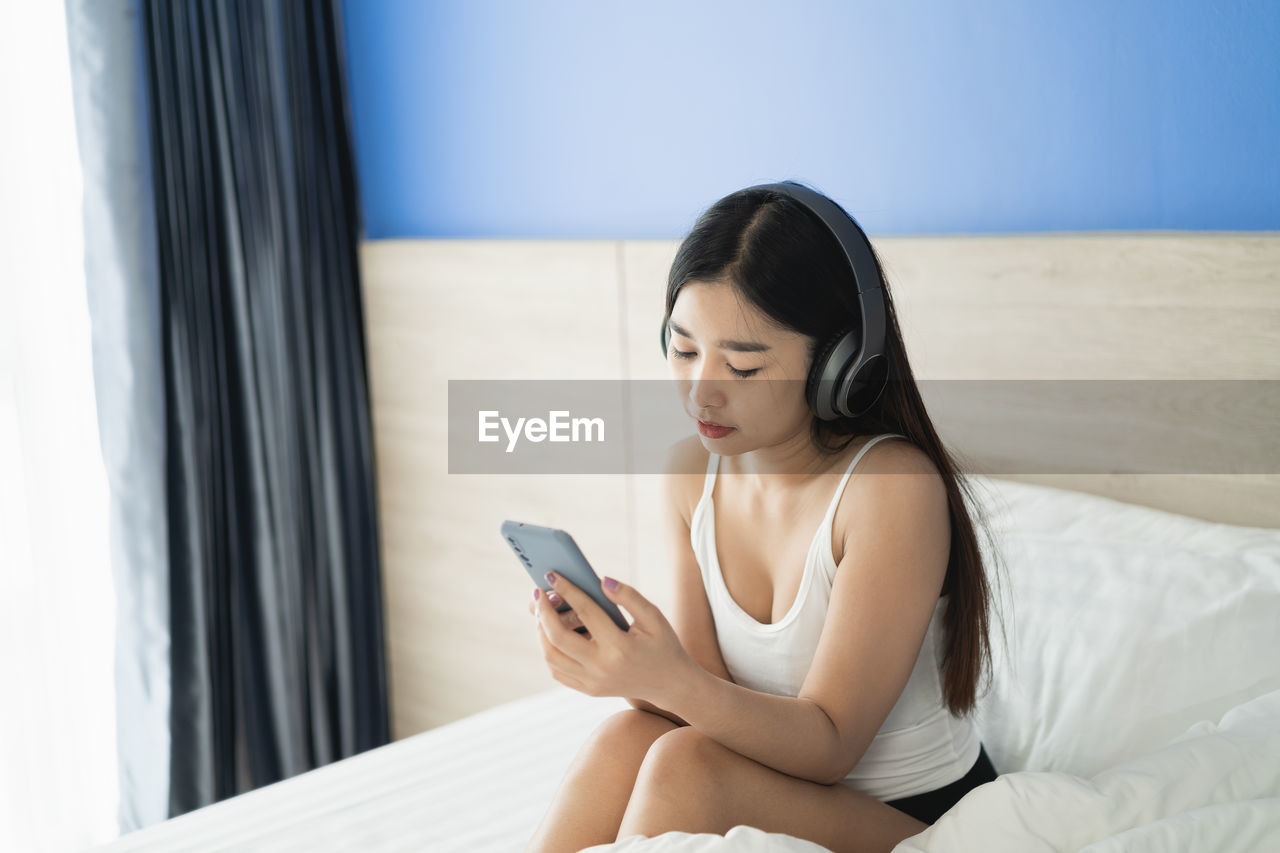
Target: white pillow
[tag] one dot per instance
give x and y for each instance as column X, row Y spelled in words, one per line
column 1125, row 625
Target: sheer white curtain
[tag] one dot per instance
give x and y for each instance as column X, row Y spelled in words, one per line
column 58, row 784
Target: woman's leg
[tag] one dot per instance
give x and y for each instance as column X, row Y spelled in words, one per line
column 593, row 796
column 692, row 783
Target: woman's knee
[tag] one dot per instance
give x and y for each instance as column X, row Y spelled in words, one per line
column 632, row 726
column 683, row 756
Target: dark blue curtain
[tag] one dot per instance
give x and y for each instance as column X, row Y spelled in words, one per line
column 277, row 653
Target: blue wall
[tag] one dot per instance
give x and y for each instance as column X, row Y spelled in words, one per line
column 600, row 119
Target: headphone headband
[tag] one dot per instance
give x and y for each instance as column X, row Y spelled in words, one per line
column 853, row 364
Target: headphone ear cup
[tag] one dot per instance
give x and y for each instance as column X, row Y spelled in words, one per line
column 812, row 385
column 867, row 387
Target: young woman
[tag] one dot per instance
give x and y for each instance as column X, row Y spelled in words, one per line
column 824, row 648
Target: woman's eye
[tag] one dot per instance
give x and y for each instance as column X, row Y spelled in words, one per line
column 735, row 371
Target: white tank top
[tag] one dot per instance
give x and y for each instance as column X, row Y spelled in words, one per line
column 921, row 746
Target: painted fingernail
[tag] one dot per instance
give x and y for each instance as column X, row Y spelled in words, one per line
column 554, row 599
column 536, row 593
column 610, row 583
column 551, row 578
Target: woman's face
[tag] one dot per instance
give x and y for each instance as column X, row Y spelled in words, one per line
column 716, row 337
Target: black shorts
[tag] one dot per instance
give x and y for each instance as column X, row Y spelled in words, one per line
column 930, row 805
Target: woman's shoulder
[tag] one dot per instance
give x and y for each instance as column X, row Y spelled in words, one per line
column 868, row 490
column 895, row 454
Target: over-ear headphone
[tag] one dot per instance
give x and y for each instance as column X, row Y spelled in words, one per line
column 849, row 372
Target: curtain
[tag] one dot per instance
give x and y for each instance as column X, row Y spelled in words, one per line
column 275, row 603
column 119, row 266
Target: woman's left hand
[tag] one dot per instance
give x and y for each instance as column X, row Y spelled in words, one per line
column 641, row 663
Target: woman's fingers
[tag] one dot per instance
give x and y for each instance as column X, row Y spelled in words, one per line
column 555, row 658
column 568, row 618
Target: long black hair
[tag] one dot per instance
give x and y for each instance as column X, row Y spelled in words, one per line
column 780, row 257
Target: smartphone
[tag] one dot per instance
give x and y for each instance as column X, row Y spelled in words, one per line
column 549, row 549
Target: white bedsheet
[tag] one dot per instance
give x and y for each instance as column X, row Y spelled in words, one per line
column 479, row 784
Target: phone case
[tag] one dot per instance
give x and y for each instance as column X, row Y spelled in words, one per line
column 546, row 549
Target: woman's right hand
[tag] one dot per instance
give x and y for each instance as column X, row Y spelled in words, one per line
column 569, row 618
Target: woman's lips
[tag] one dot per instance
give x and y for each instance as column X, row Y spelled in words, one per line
column 713, row 430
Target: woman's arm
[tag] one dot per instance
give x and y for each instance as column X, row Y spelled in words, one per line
column 792, row 735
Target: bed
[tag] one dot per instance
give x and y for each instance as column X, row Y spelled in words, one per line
column 1119, row 719
column 1136, row 705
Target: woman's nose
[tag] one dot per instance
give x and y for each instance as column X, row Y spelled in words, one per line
column 705, row 394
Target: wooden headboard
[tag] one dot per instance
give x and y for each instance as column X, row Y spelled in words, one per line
column 1058, row 306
